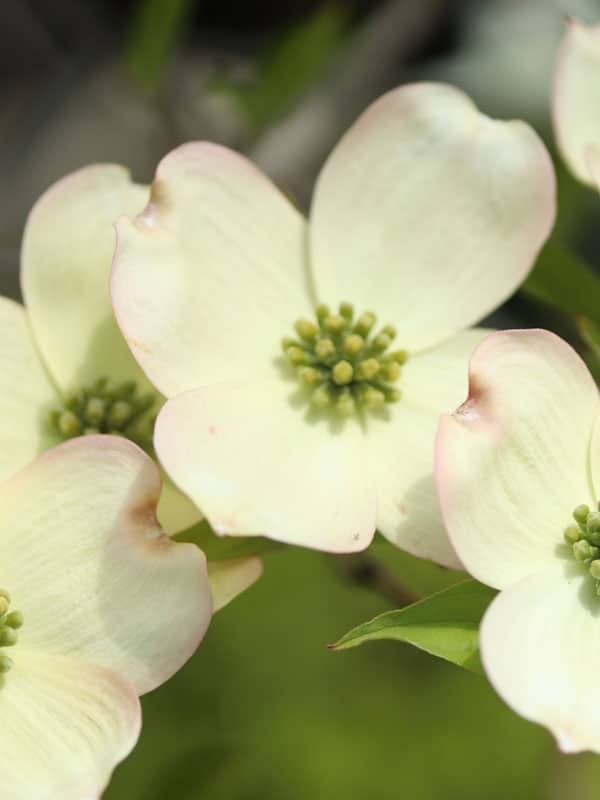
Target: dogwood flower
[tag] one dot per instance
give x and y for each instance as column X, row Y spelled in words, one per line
column 428, row 215
column 97, row 606
column 575, row 107
column 518, row 476
column 65, row 368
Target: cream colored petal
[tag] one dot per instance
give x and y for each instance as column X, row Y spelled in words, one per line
column 67, row 252
column 575, row 107
column 539, row 647
column 400, row 449
column 66, row 724
column 595, row 460
column 429, row 213
column 212, row 275
column 26, row 394
column 85, row 561
column 512, row 461
column 401, row 446
column 231, row 577
column 437, row 378
column 251, row 460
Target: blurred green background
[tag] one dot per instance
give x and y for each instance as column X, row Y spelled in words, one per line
column 264, row 711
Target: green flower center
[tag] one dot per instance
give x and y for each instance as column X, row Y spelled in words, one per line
column 119, row 409
column 10, row 622
column 344, row 363
column 584, row 540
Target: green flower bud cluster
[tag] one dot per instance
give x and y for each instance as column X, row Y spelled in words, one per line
column 346, row 365
column 10, row 622
column 584, row 540
column 118, row 409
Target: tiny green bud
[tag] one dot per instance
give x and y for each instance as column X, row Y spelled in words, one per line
column 339, row 361
column 322, row 312
column 324, row 349
column 296, row 355
column 306, row 329
column 69, row 424
column 353, row 344
column 347, row 311
column 103, row 407
column 8, row 636
column 6, row 663
column 119, row 414
column 6, row 594
column 309, row 375
column 342, row 373
column 94, row 410
column 4, row 606
column 593, row 521
column 390, row 371
column 572, row 534
column 399, row 356
column 584, row 551
column 367, row 369
column 380, row 343
column 364, row 323
column 593, row 537
column 320, row 397
column 334, row 324
column 14, row 620
column 373, row 398
column 392, row 395
column 581, row 514
column 595, row 569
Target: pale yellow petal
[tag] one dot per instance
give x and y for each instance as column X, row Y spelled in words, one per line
column 212, row 275
column 85, row 561
column 66, row 724
column 430, row 213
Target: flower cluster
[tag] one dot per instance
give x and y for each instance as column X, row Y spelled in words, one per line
column 427, row 215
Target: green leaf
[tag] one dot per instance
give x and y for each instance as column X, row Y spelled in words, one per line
column 445, row 624
column 565, row 282
column 220, row 548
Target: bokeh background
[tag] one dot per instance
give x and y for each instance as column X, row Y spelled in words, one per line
column 264, row 711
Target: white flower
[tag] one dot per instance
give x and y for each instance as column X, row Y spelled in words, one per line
column 575, row 106
column 65, row 341
column 103, row 607
column 512, row 465
column 428, row 214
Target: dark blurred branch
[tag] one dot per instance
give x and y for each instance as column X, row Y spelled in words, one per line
column 366, row 571
column 293, row 151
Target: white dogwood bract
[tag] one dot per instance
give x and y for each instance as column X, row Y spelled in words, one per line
column 66, row 338
column 512, row 465
column 428, row 214
column 575, row 106
column 109, row 608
